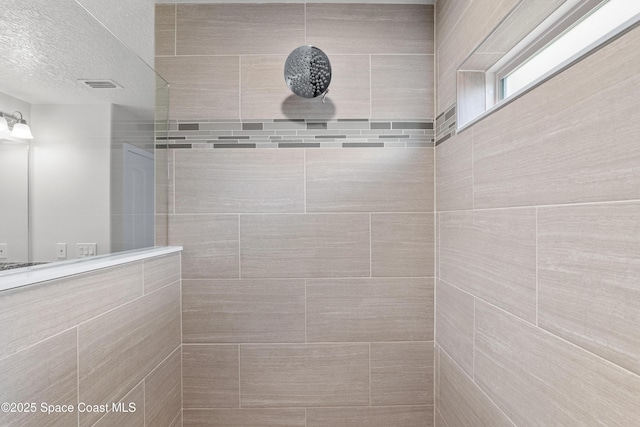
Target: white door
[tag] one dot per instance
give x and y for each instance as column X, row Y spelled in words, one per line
column 139, row 196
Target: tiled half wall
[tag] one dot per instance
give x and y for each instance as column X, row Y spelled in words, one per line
column 107, row 336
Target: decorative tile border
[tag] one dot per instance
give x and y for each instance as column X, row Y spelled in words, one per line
column 445, row 125
column 296, row 133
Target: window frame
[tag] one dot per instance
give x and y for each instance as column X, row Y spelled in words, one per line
column 562, row 19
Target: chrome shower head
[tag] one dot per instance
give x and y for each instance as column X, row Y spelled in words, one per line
column 307, row 72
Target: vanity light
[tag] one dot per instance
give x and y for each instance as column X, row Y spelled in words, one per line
column 20, row 128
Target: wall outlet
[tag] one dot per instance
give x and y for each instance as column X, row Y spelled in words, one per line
column 86, row 249
column 3, row 250
column 61, row 250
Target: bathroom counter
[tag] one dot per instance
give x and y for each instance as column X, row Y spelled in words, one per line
column 15, row 278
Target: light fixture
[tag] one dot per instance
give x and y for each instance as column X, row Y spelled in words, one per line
column 20, row 128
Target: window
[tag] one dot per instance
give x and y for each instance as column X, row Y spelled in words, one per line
column 551, row 43
column 600, row 24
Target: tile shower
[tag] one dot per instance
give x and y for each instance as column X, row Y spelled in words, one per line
column 360, row 263
column 308, row 228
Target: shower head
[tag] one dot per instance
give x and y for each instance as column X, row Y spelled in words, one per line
column 307, row 72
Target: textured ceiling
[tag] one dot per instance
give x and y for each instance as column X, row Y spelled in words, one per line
column 48, row 45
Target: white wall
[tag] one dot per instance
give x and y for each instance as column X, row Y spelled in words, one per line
column 14, row 184
column 70, row 178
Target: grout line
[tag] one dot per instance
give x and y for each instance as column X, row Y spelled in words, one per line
column 551, row 206
column 173, row 178
column 369, row 374
column 304, row 175
column 302, row 213
column 370, row 244
column 536, row 249
column 239, row 387
column 305, row 311
column 583, row 350
column 144, row 399
column 305, row 41
column 473, row 349
column 298, row 343
column 324, row 279
column 476, row 384
column 78, row 370
column 181, row 378
column 175, row 30
column 305, row 410
column 87, row 321
column 370, row 90
column 239, row 251
column 176, row 417
column 473, row 174
column 240, row 87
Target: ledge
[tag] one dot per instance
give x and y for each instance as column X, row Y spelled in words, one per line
column 11, row 279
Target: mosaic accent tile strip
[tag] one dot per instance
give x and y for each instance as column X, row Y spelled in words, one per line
column 445, row 125
column 297, row 133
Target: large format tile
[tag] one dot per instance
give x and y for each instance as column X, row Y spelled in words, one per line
column 540, row 380
column 447, row 15
column 249, row 311
column 402, row 245
column 462, row 403
column 492, row 255
column 210, row 376
column 202, row 87
column 133, row 403
column 163, row 391
column 588, row 151
column 366, row 180
column 120, row 348
column 454, row 324
column 288, row 375
column 454, row 173
column 399, row 416
column 402, row 373
column 379, row 309
column 370, row 28
column 244, row 417
column 33, row 313
column 165, row 29
column 438, row 419
column 402, row 87
column 588, row 288
column 474, row 25
column 239, row 29
column 212, row 181
column 161, row 271
column 266, row 94
column 211, row 248
column 46, row 372
column 304, row 245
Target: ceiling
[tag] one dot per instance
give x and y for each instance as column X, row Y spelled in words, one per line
column 49, row 45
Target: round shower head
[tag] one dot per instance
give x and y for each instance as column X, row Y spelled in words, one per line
column 307, row 72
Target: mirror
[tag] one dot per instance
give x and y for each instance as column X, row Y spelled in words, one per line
column 85, row 185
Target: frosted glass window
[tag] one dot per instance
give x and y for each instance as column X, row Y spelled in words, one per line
column 597, row 25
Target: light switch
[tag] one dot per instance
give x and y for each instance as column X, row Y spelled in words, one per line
column 86, row 249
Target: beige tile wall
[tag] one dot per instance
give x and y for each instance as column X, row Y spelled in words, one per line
column 226, row 61
column 308, row 297
column 98, row 338
column 537, row 256
column 323, row 309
